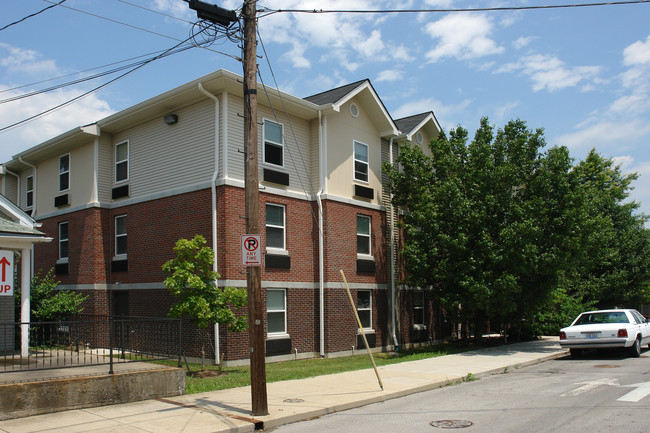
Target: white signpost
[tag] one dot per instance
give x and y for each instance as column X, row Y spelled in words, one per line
column 6, row 273
column 251, row 253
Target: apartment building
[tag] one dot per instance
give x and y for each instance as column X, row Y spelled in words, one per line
column 117, row 194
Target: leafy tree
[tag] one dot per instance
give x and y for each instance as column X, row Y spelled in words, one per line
column 48, row 304
column 191, row 279
column 612, row 265
column 486, row 222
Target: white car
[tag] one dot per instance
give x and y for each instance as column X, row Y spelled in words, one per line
column 605, row 329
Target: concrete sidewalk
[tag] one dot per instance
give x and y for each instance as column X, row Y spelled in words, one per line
column 289, row 401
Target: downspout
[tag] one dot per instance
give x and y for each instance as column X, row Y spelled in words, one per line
column 392, row 254
column 321, row 266
column 213, row 188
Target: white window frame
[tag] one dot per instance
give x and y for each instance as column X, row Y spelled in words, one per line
column 355, row 161
column 369, row 309
column 420, row 294
column 120, row 256
column 365, row 256
column 284, row 333
column 273, row 143
column 272, row 249
column 67, row 172
column 29, row 191
column 124, row 161
column 66, row 240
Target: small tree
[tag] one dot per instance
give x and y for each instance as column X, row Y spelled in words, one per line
column 47, row 303
column 190, row 278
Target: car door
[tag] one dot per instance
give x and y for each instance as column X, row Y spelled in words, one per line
column 644, row 326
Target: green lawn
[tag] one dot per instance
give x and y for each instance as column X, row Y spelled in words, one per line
column 233, row 377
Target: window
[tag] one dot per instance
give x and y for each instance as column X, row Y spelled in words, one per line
column 120, row 235
column 30, row 191
column 122, row 162
column 275, row 226
column 64, row 173
column 63, row 242
column 418, row 308
column 273, row 143
column 360, row 161
column 276, row 311
column 363, row 235
column 364, row 308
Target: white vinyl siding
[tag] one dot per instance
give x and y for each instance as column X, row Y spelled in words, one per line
column 164, row 157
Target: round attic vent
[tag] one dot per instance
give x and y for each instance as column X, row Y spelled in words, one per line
column 419, row 138
column 354, row 110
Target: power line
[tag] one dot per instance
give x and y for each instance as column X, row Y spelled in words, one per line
column 83, row 95
column 140, row 28
column 91, row 77
column 32, row 15
column 489, row 9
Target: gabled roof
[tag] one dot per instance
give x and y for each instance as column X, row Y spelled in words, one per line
column 367, row 95
column 412, row 124
column 334, row 95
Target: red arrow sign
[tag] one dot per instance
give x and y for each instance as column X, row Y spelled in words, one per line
column 4, row 262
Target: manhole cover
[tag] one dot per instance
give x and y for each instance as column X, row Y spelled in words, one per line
column 451, row 423
column 606, row 366
column 294, row 400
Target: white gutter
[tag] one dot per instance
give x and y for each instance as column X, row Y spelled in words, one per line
column 213, row 187
column 321, row 266
column 392, row 253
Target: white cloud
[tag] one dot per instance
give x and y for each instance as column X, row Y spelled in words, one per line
column 605, row 133
column 522, row 42
column 462, row 36
column 638, row 53
column 24, row 61
column 390, row 75
column 550, row 72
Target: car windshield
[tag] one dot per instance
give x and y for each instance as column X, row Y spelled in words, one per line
column 611, row 317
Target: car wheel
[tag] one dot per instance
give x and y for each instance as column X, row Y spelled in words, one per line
column 576, row 353
column 635, row 350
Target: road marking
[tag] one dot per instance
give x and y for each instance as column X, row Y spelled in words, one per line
column 642, row 390
column 588, row 386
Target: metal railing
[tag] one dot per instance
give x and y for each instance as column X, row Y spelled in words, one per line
column 88, row 340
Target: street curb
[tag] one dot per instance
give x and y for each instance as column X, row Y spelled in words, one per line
column 449, row 381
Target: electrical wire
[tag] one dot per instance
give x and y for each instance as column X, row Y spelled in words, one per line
column 79, row 72
column 32, row 15
column 83, row 95
column 91, row 77
column 486, row 9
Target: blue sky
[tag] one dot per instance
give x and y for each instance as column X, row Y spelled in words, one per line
column 582, row 74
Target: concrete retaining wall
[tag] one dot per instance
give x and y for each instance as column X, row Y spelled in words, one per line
column 19, row 400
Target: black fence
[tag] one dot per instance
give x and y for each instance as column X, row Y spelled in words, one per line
column 88, row 340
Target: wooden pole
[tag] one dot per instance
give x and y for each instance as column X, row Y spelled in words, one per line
column 254, row 283
column 363, row 334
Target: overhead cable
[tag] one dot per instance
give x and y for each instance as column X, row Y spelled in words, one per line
column 485, row 9
column 32, row 15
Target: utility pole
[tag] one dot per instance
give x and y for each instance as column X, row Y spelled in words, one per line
column 254, row 280
column 223, row 17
